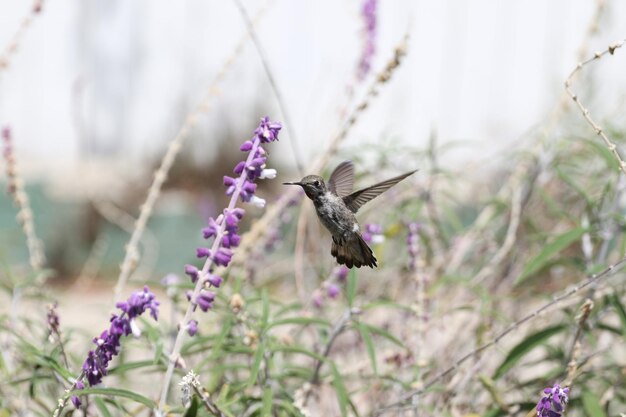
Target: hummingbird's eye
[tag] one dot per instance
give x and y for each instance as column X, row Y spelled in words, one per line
column 316, row 183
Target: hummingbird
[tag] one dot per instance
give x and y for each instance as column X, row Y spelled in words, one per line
column 336, row 206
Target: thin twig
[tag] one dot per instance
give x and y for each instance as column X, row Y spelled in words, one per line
column 131, row 257
column 24, row 212
column 270, row 77
column 596, row 127
column 13, row 45
column 608, row 271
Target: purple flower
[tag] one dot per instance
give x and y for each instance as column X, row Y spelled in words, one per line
column 223, row 256
column 214, row 280
column 333, row 290
column 368, row 12
column 318, row 298
column 192, row 271
column 76, row 401
column 205, row 300
column 203, row 252
column 139, row 302
column 553, row 403
column 224, row 230
column 108, row 343
column 373, row 233
column 192, row 327
column 341, row 272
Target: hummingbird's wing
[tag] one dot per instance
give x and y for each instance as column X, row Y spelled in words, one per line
column 341, row 181
column 355, row 200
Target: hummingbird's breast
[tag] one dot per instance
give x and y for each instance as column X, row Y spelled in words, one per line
column 335, row 215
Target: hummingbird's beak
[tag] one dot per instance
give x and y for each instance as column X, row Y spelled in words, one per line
column 292, row 183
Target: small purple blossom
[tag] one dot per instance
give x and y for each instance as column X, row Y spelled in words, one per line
column 203, row 252
column 318, row 298
column 205, row 300
column 192, row 271
column 341, row 272
column 373, row 233
column 553, row 403
column 192, row 327
column 333, row 290
column 368, row 12
column 108, row 343
column 76, row 401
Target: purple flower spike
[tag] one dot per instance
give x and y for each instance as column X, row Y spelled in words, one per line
column 108, row 343
column 342, row 273
column 267, row 130
column 368, row 13
column 553, row 403
column 139, row 302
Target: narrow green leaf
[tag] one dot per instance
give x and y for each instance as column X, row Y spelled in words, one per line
column 558, row 244
column 102, row 407
column 297, row 349
column 340, row 390
column 256, row 365
column 192, row 411
column 369, row 344
column 351, row 290
column 117, row 392
column 300, row 320
column 525, row 346
column 591, row 404
column 621, row 312
column 268, row 399
column 384, row 333
column 265, row 314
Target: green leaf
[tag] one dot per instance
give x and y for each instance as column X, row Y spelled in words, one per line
column 351, row 290
column 384, row 333
column 621, row 312
column 340, row 390
column 102, row 407
column 591, row 404
column 525, row 346
column 305, row 321
column 369, row 344
column 256, row 365
column 558, row 244
column 268, row 399
column 265, row 314
column 297, row 349
column 117, row 392
column 192, row 411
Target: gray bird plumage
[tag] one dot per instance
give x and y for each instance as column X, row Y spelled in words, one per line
column 336, row 206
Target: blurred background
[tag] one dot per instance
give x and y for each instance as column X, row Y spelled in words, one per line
column 96, row 90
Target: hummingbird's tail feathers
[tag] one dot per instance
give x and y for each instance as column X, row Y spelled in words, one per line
column 353, row 253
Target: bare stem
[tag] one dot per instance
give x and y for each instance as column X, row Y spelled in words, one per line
column 611, row 146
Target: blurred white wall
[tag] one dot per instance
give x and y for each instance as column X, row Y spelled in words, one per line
column 113, row 77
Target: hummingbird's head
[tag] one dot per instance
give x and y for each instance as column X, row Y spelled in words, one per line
column 313, row 186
